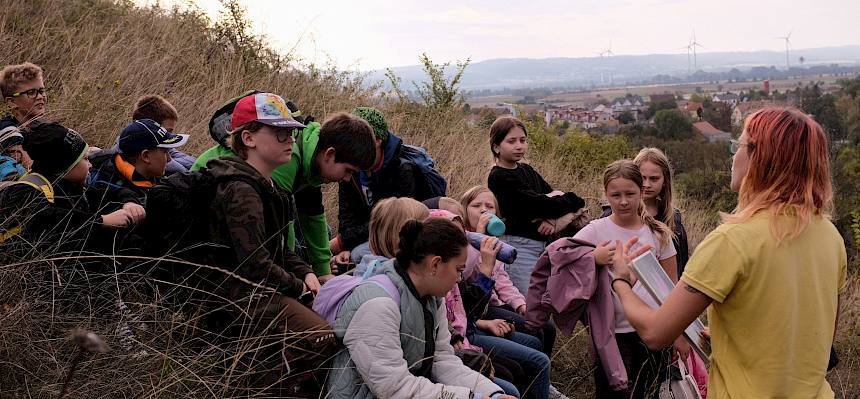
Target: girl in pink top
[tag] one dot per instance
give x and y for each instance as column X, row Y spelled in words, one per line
column 622, row 183
column 506, row 301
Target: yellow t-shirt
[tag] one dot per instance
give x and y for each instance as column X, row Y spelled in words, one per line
column 774, row 309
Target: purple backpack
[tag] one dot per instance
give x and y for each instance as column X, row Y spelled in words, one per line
column 333, row 293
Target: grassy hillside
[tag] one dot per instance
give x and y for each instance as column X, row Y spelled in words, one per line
column 99, row 56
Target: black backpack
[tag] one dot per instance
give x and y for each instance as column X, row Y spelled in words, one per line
column 435, row 183
column 177, row 213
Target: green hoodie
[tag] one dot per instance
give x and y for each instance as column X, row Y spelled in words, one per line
column 300, row 178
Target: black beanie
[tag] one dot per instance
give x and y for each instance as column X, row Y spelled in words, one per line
column 54, row 148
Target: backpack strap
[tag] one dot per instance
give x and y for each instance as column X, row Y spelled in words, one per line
column 36, row 181
column 40, row 183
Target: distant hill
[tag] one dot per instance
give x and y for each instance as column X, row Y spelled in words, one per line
column 620, row 69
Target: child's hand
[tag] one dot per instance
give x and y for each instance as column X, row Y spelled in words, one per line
column 482, row 223
column 489, row 249
column 116, row 219
column 620, row 264
column 603, row 253
column 497, row 327
column 135, row 211
column 546, row 228
column 521, row 310
column 682, row 348
column 312, row 282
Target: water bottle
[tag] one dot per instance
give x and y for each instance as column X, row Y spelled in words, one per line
column 508, row 254
column 495, row 227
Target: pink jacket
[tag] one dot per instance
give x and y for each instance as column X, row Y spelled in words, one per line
column 504, row 291
column 566, row 283
column 457, row 316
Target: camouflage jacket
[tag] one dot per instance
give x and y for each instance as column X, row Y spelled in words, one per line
column 251, row 223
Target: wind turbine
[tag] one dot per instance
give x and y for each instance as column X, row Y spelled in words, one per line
column 695, row 44
column 787, row 45
column 689, row 65
column 609, row 50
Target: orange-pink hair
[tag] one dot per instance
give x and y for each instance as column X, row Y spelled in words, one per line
column 789, row 171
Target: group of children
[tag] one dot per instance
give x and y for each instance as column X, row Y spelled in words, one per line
column 454, row 322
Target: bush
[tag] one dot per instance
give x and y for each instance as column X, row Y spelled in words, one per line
column 673, row 124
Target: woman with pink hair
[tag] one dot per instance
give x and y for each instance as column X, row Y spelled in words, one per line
column 770, row 276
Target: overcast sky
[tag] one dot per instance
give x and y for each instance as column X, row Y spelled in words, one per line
column 370, row 34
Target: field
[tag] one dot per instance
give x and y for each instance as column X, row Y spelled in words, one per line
column 582, row 98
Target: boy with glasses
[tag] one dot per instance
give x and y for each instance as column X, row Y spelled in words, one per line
column 327, row 153
column 23, row 90
column 247, row 220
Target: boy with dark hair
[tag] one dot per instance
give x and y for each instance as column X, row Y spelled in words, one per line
column 52, row 203
column 390, row 177
column 325, row 153
column 158, row 109
column 144, row 154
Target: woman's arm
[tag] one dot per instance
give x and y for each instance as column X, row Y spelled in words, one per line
column 657, row 327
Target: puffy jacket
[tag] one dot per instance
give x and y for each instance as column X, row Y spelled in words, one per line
column 299, row 178
column 386, row 352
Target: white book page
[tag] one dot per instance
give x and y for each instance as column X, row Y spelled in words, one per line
column 651, row 275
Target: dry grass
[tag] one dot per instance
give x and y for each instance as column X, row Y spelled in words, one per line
column 99, row 56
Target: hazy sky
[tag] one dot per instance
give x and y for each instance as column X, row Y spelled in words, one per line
column 371, row 34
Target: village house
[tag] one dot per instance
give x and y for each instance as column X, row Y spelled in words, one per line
column 711, row 133
column 693, row 109
column 742, row 110
column 731, row 99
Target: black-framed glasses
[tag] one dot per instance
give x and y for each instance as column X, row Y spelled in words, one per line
column 735, row 145
column 32, row 93
column 284, row 135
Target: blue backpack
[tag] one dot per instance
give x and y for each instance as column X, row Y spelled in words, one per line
column 10, row 169
column 333, row 293
column 420, row 158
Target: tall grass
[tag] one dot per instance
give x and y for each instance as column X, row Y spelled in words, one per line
column 99, row 56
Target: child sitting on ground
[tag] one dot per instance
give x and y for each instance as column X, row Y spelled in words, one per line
column 52, row 204
column 326, row 153
column 248, row 220
column 405, row 351
column 13, row 160
column 144, row 155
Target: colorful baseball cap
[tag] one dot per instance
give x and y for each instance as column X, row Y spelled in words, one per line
column 266, row 108
column 145, row 134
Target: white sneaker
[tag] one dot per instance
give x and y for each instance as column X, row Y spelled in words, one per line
column 555, row 394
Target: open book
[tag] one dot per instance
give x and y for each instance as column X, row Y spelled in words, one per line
column 655, row 280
